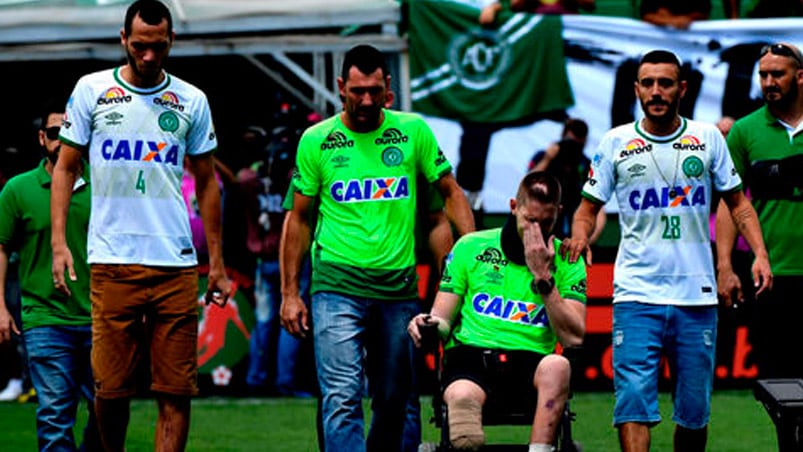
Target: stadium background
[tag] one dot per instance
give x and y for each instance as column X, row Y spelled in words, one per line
column 42, row 56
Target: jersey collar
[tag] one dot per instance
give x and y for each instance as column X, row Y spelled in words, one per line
column 666, row 138
column 145, row 91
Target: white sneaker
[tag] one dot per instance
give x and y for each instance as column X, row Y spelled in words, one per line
column 12, row 391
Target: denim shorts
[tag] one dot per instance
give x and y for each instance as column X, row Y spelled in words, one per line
column 686, row 336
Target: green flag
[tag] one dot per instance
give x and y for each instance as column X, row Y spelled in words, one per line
column 463, row 71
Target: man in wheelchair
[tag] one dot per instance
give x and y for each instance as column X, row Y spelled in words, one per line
column 505, row 299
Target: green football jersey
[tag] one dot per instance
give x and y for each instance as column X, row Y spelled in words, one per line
column 364, row 237
column 498, row 308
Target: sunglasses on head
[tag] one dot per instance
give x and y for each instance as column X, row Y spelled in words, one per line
column 52, row 133
column 782, row 50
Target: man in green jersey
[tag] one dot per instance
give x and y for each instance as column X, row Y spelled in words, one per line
column 362, row 164
column 56, row 327
column 767, row 151
column 505, row 294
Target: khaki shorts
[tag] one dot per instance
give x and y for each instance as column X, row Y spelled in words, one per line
column 138, row 310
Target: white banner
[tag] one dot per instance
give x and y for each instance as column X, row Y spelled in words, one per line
column 723, row 53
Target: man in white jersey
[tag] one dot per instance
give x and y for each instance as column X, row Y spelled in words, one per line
column 138, row 123
column 662, row 170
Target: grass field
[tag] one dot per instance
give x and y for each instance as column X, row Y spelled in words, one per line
column 738, row 423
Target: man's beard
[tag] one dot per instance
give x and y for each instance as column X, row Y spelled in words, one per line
column 785, row 100
column 669, row 114
column 132, row 63
column 366, row 118
column 52, row 156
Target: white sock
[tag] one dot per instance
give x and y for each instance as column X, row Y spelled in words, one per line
column 12, row 390
column 538, row 447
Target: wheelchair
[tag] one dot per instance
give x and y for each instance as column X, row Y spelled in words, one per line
column 506, row 409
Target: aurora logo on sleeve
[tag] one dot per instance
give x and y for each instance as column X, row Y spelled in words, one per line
column 170, row 100
column 336, row 140
column 370, row 189
column 689, row 143
column 635, row 147
column 492, row 256
column 113, row 95
column 391, row 136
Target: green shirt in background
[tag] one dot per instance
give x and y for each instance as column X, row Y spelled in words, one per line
column 25, row 226
column 771, row 166
column 498, row 309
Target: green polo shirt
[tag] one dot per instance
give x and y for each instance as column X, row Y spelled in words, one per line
column 25, row 226
column 771, row 165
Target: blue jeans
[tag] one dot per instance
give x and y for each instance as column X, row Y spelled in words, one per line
column 353, row 337
column 19, row 367
column 411, row 438
column 270, row 344
column 61, row 373
column 687, row 336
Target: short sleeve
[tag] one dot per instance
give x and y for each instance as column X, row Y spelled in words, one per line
column 77, row 124
column 737, row 148
column 570, row 278
column 307, row 176
column 455, row 273
column 201, row 137
column 433, row 162
column 724, row 175
column 601, row 174
column 8, row 213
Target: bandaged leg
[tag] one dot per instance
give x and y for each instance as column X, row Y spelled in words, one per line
column 465, row 424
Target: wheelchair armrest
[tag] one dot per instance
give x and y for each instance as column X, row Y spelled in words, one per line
column 429, row 336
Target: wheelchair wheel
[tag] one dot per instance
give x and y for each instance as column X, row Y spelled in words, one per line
column 564, row 442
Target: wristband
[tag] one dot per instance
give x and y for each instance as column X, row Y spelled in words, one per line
column 543, row 286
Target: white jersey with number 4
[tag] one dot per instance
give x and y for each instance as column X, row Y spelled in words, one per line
column 137, row 140
column 663, row 186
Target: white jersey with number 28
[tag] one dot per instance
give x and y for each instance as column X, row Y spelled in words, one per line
column 663, row 186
